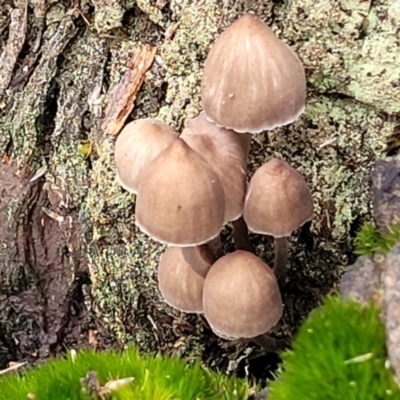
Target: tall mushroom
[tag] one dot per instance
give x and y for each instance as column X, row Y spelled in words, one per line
column 278, row 201
column 252, row 81
column 226, row 152
column 137, row 145
column 180, row 199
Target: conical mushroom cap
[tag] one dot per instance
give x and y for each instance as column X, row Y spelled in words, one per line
column 180, row 200
column 227, row 154
column 252, row 81
column 139, row 143
column 241, row 297
column 180, row 286
column 278, row 200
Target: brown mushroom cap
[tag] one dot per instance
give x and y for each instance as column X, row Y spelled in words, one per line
column 201, row 125
column 139, row 143
column 226, row 152
column 278, row 200
column 252, row 81
column 180, row 200
column 180, row 286
column 241, row 298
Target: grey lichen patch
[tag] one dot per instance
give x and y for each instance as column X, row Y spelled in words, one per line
column 80, row 76
column 21, row 123
column 16, row 39
column 378, row 65
column 153, row 11
column 348, row 47
column 108, row 15
column 106, row 203
column 183, row 57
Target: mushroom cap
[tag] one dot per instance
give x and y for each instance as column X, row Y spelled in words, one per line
column 227, row 154
column 180, row 286
column 139, row 143
column 203, row 126
column 180, row 200
column 278, row 200
column 241, row 297
column 252, row 81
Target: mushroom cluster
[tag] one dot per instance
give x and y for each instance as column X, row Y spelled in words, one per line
column 189, row 186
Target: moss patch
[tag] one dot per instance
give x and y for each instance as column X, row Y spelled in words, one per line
column 339, row 353
column 88, row 375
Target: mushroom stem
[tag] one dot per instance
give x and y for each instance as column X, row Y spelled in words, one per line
column 206, row 254
column 270, row 344
column 241, row 235
column 216, row 247
column 280, row 261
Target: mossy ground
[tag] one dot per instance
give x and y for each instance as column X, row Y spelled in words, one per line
column 83, row 54
column 339, row 353
column 85, row 376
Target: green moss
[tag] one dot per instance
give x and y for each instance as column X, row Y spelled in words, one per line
column 339, row 353
column 154, row 378
column 369, row 240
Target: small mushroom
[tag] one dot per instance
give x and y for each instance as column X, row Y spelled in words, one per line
column 278, row 201
column 137, row 145
column 241, row 297
column 252, row 81
column 180, row 199
column 180, row 286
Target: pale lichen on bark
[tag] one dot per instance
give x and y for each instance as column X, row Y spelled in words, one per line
column 16, row 39
column 349, row 47
column 20, row 123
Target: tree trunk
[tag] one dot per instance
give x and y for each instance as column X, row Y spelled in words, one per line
column 74, row 269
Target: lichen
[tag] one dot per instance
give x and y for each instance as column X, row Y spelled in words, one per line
column 79, row 76
column 184, row 55
column 348, row 47
column 108, row 15
column 21, row 123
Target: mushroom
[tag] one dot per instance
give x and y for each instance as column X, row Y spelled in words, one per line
column 180, row 199
column 252, row 81
column 241, row 297
column 278, row 201
column 227, row 157
column 226, row 152
column 137, row 145
column 180, row 286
